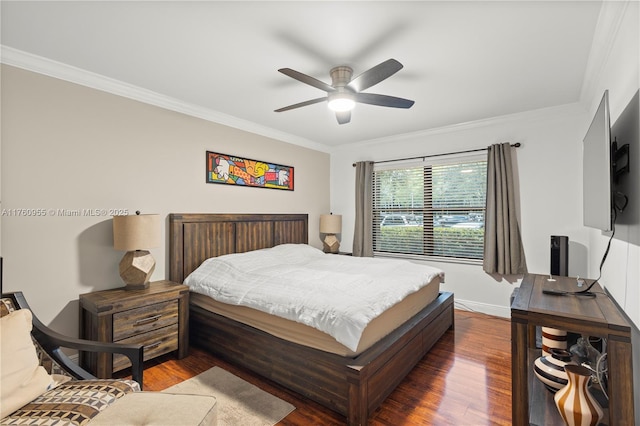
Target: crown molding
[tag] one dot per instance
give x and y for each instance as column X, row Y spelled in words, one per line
column 610, row 19
column 560, row 112
column 61, row 71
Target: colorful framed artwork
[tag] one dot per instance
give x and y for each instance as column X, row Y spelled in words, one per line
column 231, row 170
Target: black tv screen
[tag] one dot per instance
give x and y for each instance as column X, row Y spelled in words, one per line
column 597, row 170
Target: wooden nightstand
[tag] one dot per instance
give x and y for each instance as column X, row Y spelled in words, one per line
column 157, row 317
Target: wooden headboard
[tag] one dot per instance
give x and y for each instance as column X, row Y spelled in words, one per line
column 193, row 238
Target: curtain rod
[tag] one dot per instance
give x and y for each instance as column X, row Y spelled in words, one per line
column 513, row 145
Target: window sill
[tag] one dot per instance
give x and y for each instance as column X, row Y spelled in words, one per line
column 477, row 262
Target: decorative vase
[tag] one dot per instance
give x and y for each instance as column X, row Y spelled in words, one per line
column 549, row 369
column 575, row 403
column 553, row 338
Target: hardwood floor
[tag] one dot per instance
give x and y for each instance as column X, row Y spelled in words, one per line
column 464, row 380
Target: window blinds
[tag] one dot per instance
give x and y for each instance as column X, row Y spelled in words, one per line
column 430, row 208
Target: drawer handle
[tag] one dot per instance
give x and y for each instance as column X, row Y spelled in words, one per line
column 152, row 346
column 147, row 320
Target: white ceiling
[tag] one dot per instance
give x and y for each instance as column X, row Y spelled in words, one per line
column 463, row 61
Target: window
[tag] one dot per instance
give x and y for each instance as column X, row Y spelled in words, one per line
column 433, row 209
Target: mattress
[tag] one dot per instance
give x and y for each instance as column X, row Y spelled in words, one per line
column 306, row 335
column 338, row 295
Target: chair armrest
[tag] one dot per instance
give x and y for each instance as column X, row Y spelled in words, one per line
column 52, row 342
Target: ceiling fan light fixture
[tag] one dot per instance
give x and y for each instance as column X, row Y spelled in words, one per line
column 344, row 92
column 341, row 102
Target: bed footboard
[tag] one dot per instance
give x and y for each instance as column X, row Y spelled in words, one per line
column 353, row 387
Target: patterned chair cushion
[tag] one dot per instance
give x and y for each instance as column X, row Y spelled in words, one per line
column 6, row 307
column 21, row 375
column 72, row 403
column 51, row 367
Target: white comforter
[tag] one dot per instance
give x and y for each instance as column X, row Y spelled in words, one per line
column 338, row 295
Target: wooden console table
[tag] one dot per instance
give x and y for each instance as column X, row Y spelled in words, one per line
column 597, row 316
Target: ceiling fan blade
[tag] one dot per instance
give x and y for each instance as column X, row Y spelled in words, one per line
column 301, row 104
column 343, row 117
column 307, row 79
column 383, row 100
column 375, row 75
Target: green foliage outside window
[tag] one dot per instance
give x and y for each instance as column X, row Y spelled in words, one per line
column 431, row 210
column 408, row 240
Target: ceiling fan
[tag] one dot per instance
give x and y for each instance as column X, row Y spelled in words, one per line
column 344, row 92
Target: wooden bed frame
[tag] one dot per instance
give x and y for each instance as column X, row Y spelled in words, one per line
column 353, row 387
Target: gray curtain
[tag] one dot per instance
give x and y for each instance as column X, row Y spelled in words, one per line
column 503, row 251
column 362, row 235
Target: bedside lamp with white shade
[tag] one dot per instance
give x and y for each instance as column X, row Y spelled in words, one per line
column 136, row 234
column 330, row 225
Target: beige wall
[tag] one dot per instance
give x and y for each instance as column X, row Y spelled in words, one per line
column 68, row 147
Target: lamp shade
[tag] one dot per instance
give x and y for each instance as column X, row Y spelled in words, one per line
column 330, row 223
column 136, row 232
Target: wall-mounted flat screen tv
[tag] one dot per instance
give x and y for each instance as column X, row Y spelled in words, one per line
column 597, row 170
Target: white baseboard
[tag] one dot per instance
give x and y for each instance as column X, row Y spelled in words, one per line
column 485, row 308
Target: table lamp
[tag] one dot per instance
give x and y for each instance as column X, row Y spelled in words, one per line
column 136, row 234
column 331, row 224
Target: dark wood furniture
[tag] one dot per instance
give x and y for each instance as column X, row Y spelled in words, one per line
column 53, row 343
column 353, row 387
column 156, row 317
column 597, row 316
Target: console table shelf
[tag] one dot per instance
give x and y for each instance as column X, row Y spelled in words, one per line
column 545, row 412
column 598, row 316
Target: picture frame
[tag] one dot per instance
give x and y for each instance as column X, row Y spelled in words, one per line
column 234, row 170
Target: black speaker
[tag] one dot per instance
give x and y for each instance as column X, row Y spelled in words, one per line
column 560, row 255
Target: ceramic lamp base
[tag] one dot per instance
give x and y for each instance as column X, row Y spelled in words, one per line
column 331, row 244
column 136, row 268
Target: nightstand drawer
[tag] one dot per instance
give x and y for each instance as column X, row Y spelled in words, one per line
column 145, row 318
column 156, row 342
column 156, row 316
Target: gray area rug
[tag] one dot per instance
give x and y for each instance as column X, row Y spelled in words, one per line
column 238, row 402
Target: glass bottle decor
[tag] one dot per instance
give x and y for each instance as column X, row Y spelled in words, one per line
column 584, row 352
column 575, row 403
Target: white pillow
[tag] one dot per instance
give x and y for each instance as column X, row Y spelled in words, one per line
column 22, row 379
